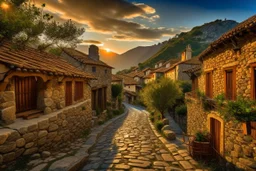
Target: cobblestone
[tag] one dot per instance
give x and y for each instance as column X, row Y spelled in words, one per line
column 130, row 144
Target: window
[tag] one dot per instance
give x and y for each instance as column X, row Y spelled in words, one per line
column 68, row 93
column 230, row 83
column 79, row 90
column 253, row 81
column 194, row 83
column 106, row 71
column 25, row 93
column 94, row 69
column 208, row 84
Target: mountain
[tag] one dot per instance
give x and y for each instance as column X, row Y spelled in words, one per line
column 136, row 55
column 109, row 58
column 199, row 38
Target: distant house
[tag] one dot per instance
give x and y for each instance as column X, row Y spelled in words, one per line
column 175, row 71
column 229, row 67
column 159, row 64
column 91, row 63
column 116, row 80
column 130, row 87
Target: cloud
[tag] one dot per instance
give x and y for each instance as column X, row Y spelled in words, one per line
column 113, row 17
column 90, row 42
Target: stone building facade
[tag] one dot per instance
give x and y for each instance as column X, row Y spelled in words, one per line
column 228, row 66
column 91, row 63
column 44, row 102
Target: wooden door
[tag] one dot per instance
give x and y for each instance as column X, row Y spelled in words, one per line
column 215, row 135
column 100, row 99
column 93, row 99
column 25, row 93
column 68, row 93
column 229, row 85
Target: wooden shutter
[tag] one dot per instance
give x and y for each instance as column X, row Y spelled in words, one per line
column 25, row 93
column 100, row 99
column 253, row 129
column 68, row 94
column 208, row 84
column 79, row 90
column 229, row 85
column 253, row 81
column 105, row 98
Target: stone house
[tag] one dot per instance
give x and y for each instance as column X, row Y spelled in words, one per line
column 137, row 76
column 52, row 95
column 159, row 64
column 91, row 63
column 175, row 70
column 229, row 67
column 130, row 87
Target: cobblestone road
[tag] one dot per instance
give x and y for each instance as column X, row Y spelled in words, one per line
column 130, row 144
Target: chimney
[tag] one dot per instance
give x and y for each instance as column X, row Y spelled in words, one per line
column 188, row 52
column 94, row 52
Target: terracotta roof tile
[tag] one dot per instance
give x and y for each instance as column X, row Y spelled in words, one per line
column 84, row 58
column 34, row 60
column 242, row 27
column 194, row 69
column 116, row 78
column 127, row 79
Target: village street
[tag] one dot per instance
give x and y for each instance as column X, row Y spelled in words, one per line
column 130, row 144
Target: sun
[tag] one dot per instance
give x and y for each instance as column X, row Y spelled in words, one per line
column 107, row 49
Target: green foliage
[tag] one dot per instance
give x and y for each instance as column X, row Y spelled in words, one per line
column 152, row 118
column 100, row 122
column 207, row 103
column 202, row 136
column 116, row 90
column 55, row 51
column 160, row 95
column 181, row 110
column 220, row 99
column 159, row 125
column 98, row 111
column 24, row 24
column 83, row 108
column 185, row 86
column 242, row 109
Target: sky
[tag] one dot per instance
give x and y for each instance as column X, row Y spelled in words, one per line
column 120, row 25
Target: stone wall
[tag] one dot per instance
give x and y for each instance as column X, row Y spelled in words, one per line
column 180, row 74
column 196, row 117
column 7, row 107
column 49, row 132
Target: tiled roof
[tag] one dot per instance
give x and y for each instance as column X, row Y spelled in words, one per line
column 194, row 69
column 242, row 27
column 172, row 61
column 127, row 79
column 116, row 78
column 192, row 61
column 84, row 58
column 161, row 70
column 134, row 74
column 148, row 76
column 32, row 60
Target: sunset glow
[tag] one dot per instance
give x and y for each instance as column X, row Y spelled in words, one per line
column 107, row 49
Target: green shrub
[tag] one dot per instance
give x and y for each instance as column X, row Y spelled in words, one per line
column 98, row 111
column 159, row 125
column 83, row 108
column 115, row 112
column 220, row 99
column 242, row 109
column 100, row 122
column 152, row 118
column 181, row 110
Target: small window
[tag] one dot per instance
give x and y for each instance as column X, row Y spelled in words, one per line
column 79, row 90
column 230, row 84
column 94, row 69
column 208, row 85
column 106, row 71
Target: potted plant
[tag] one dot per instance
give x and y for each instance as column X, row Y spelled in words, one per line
column 200, row 144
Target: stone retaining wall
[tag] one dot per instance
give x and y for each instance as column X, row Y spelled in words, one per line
column 49, row 132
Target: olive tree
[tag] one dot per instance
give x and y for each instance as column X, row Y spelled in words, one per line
column 160, row 95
